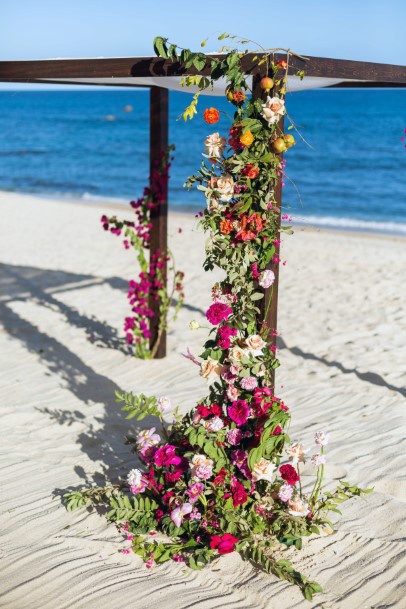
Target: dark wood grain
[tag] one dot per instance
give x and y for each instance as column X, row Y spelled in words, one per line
column 159, row 98
column 153, row 66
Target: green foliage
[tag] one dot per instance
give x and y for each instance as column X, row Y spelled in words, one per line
column 77, row 499
column 259, row 554
column 138, row 406
column 126, row 509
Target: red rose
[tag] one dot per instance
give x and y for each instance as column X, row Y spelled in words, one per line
column 250, row 171
column 216, row 410
column 203, row 410
column 206, row 411
column 277, row 431
column 289, row 474
column 219, row 479
column 224, row 544
column 240, row 495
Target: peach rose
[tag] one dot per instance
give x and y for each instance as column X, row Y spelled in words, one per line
column 224, row 186
column 198, row 460
column 232, row 393
column 214, row 145
column 263, row 470
column 255, row 344
column 236, row 354
column 273, row 109
column 298, row 507
column 210, row 368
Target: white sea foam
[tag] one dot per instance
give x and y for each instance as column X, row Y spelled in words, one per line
column 351, row 224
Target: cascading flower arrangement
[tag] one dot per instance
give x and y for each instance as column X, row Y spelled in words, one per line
column 152, row 280
column 226, row 477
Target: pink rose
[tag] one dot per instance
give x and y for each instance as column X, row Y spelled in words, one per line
column 249, row 383
column 232, row 393
column 224, row 544
column 218, row 312
column 165, row 456
column 234, row 436
column 239, row 412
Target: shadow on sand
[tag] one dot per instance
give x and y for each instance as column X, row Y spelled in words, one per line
column 102, row 441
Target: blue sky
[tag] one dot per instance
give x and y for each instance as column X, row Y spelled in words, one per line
column 368, row 30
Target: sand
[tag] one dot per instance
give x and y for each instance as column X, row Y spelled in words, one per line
column 62, row 302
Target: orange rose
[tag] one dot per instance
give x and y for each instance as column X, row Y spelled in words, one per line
column 247, row 138
column 239, row 96
column 211, row 115
column 225, row 227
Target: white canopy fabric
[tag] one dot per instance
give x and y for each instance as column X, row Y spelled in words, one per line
column 173, row 83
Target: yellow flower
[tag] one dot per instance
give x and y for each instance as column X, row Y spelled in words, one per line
column 247, row 138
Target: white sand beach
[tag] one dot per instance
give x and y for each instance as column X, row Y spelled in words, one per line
column 62, row 302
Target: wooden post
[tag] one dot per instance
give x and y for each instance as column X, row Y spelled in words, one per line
column 271, row 294
column 158, row 144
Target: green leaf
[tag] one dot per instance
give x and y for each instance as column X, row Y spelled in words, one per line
column 160, row 47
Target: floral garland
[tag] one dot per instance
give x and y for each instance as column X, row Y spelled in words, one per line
column 152, row 279
column 226, row 477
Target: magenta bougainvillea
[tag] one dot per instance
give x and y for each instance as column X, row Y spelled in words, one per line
column 152, row 282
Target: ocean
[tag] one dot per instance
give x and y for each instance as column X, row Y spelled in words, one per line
column 348, row 173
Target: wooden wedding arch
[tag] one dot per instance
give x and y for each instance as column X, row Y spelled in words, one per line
column 162, row 75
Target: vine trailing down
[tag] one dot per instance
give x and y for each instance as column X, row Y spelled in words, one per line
column 152, row 280
column 226, row 477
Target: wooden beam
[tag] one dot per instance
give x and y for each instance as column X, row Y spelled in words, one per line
column 158, row 122
column 269, row 303
column 124, row 67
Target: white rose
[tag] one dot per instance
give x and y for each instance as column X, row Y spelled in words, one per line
column 214, row 424
column 266, row 278
column 200, row 461
column 134, row 477
column 214, row 145
column 255, row 344
column 273, row 109
column 263, row 470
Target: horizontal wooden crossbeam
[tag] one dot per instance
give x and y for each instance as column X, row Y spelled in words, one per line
column 323, row 67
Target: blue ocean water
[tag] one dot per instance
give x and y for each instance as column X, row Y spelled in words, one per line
column 350, row 173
